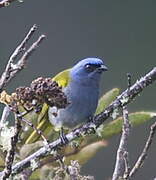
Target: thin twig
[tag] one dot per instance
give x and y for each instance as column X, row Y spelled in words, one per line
column 22, row 45
column 126, row 97
column 129, row 83
column 10, row 71
column 122, row 149
column 11, row 68
column 21, row 116
column 23, row 60
column 11, row 152
column 127, row 166
column 129, row 95
column 144, row 153
column 122, row 146
column 39, row 132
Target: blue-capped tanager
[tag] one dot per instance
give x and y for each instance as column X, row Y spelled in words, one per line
column 81, row 86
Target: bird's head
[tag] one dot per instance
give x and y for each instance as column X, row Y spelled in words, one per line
column 87, row 70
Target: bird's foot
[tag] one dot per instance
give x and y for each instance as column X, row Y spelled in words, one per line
column 63, row 138
column 90, row 119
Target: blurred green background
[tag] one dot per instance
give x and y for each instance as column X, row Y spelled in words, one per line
column 122, row 32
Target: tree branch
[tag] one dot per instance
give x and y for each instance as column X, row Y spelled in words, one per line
column 143, row 155
column 126, row 97
column 11, row 152
column 12, row 69
column 122, row 154
column 122, row 146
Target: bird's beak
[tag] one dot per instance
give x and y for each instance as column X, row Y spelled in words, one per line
column 102, row 68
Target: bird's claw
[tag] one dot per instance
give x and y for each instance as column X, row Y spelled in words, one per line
column 63, row 138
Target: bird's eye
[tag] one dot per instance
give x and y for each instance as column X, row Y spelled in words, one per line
column 89, row 68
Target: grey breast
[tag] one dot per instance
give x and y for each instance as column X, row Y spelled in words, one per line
column 83, row 102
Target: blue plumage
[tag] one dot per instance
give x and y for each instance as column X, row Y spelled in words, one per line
column 82, row 93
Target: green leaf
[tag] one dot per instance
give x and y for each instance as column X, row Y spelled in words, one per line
column 115, row 126
column 2, row 159
column 28, row 149
column 106, row 99
column 107, row 131
column 86, row 153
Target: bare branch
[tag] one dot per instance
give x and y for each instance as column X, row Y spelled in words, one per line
column 11, row 152
column 122, row 146
column 122, row 154
column 11, row 68
column 144, row 153
column 127, row 166
column 125, row 98
column 10, row 71
column 35, row 129
column 22, row 45
column 22, row 62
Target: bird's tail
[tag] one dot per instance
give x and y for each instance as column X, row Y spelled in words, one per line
column 43, row 125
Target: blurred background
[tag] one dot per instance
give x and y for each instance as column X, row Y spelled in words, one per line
column 122, row 33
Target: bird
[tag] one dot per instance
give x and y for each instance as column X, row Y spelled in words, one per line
column 81, row 85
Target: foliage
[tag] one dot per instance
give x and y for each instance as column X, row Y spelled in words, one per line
column 82, row 149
